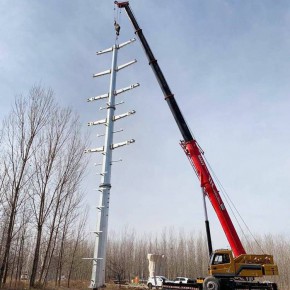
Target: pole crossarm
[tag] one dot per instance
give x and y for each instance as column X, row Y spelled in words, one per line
column 117, row 92
column 117, row 145
column 126, row 64
column 104, row 96
column 98, row 149
column 123, row 90
column 118, row 117
column 126, row 42
column 117, row 46
column 103, row 73
column 99, row 122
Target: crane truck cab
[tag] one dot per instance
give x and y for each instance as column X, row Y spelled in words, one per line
column 223, row 263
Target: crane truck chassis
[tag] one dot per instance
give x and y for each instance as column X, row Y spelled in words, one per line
column 228, row 272
column 228, row 269
column 224, row 284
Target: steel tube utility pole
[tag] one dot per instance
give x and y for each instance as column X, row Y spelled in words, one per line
column 98, row 271
column 99, row 258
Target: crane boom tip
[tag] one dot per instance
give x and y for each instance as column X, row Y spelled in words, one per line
column 121, row 4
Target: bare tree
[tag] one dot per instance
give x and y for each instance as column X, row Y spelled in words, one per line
column 20, row 131
column 79, row 238
column 59, row 167
column 45, row 162
column 120, row 255
column 69, row 219
column 42, row 157
column 70, row 168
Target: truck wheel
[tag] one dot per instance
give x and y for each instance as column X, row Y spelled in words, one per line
column 211, row 283
column 149, row 285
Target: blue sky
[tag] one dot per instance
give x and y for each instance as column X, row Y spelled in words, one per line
column 227, row 63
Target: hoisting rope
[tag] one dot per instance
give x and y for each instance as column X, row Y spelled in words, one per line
column 117, row 20
column 234, row 210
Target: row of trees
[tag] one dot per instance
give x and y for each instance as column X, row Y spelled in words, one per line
column 185, row 253
column 42, row 166
column 42, row 217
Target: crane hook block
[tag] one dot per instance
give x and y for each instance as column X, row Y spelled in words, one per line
column 117, row 28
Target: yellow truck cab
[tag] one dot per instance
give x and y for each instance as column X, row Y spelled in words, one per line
column 224, row 264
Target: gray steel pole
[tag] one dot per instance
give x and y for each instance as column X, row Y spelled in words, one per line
column 99, row 260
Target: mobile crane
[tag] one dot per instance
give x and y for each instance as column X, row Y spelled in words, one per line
column 228, row 269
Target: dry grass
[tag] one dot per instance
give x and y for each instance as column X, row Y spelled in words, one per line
column 74, row 285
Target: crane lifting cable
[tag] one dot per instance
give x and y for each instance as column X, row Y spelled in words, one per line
column 236, row 214
column 117, row 18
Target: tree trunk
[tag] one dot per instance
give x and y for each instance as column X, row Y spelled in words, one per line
column 19, row 260
column 36, row 257
column 7, row 245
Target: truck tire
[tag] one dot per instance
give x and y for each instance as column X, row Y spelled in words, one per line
column 211, row 283
column 149, row 285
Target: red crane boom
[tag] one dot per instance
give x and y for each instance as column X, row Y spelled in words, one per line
column 189, row 144
column 194, row 153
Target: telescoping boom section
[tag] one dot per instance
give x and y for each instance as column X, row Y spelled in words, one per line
column 189, row 144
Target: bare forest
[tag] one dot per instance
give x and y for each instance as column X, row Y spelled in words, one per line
column 42, row 166
column 43, row 215
column 186, row 254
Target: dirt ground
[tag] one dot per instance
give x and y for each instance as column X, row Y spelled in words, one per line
column 76, row 285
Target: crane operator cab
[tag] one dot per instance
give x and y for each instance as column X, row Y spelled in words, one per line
column 221, row 262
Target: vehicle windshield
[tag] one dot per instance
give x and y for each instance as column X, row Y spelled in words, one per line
column 221, row 259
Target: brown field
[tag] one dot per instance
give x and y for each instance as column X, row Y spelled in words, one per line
column 74, row 285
